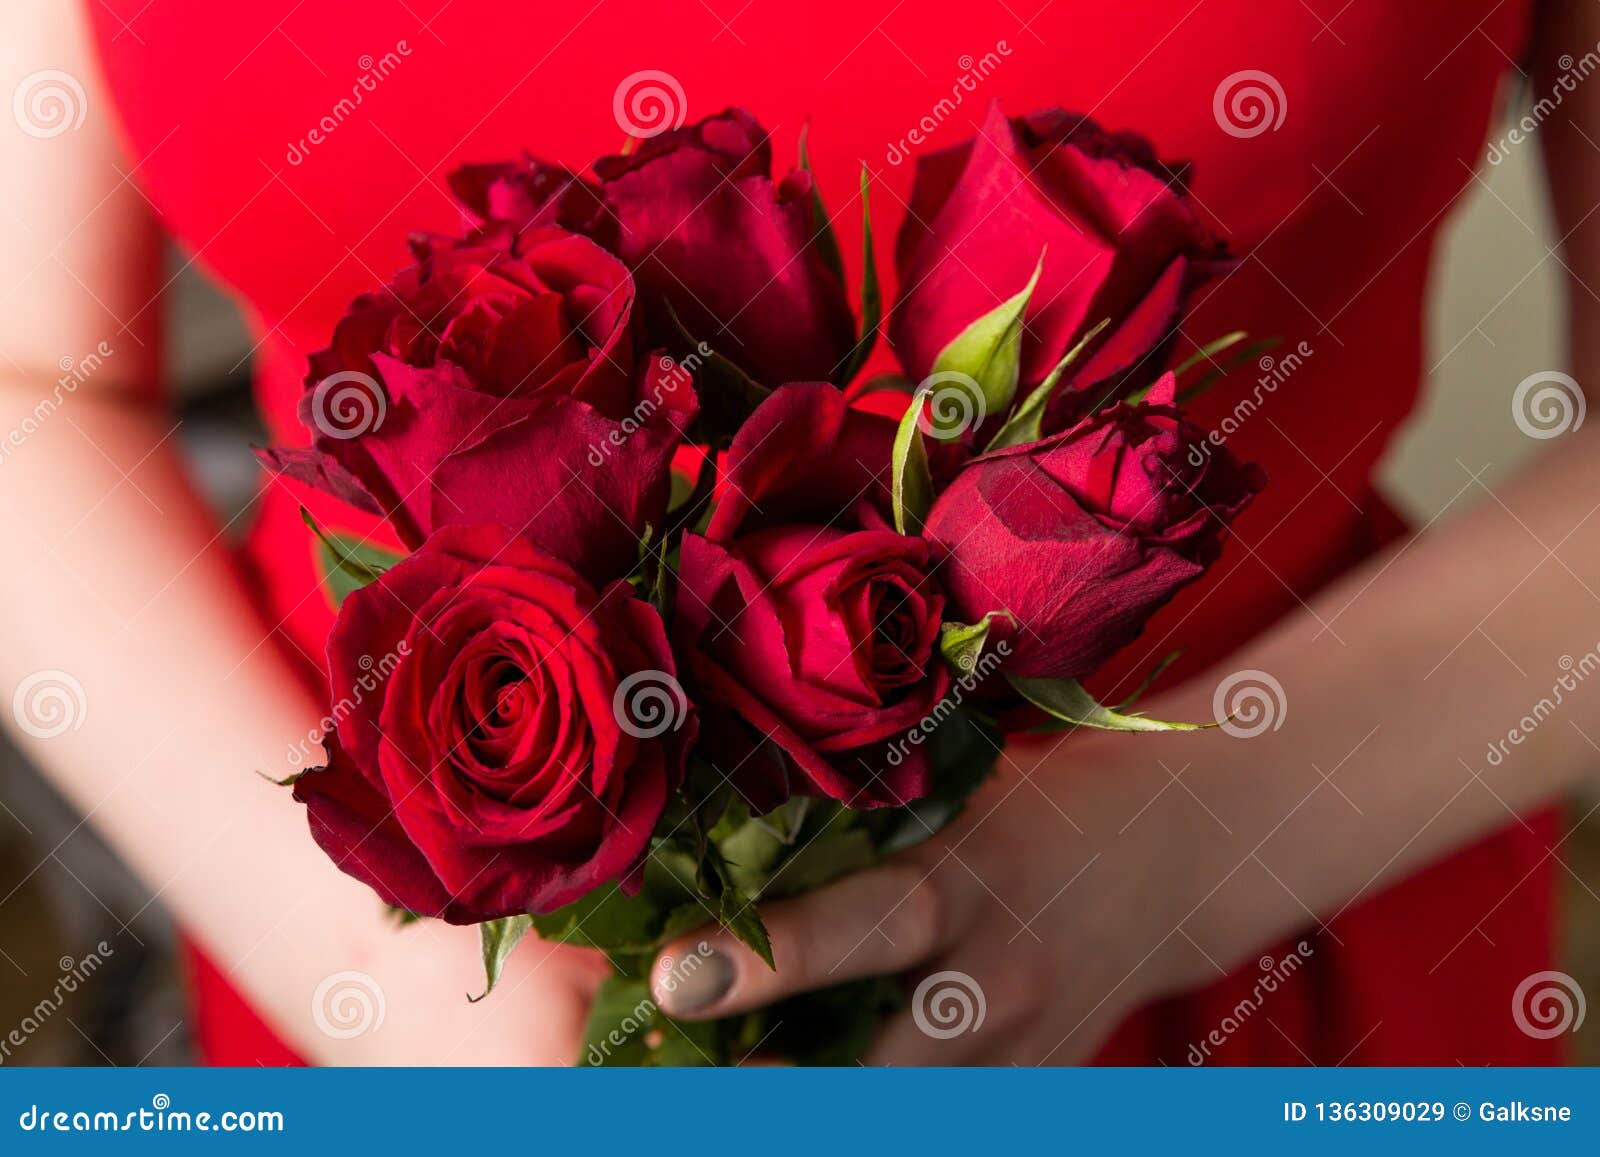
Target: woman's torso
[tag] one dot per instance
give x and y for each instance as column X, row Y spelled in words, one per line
column 293, row 146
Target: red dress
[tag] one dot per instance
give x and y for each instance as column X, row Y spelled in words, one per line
column 1384, row 110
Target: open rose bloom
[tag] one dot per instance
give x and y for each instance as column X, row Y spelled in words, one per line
column 681, row 627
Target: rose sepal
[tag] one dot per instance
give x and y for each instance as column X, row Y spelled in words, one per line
column 989, row 351
column 1068, row 701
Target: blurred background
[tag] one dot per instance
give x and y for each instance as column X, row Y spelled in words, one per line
column 60, row 888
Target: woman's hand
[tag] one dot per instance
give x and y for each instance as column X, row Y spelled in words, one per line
column 404, row 1001
column 1056, row 896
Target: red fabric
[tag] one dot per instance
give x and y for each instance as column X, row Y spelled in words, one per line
column 1385, row 112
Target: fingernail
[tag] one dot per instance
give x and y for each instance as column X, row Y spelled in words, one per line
column 696, row 980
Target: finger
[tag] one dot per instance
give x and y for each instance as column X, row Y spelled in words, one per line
column 871, row 923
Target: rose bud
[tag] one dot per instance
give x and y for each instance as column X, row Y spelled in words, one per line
column 699, row 220
column 509, row 736
column 804, row 614
column 527, row 194
column 1086, row 534
column 496, row 382
column 1118, row 234
column 804, row 455
column 544, row 311
column 807, row 455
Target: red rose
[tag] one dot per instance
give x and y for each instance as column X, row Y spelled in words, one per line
column 527, row 194
column 803, row 613
column 1084, row 535
column 804, row 455
column 807, row 455
column 1119, row 237
column 492, row 383
column 543, row 311
column 496, row 752
column 697, row 217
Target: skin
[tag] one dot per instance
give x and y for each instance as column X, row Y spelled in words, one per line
column 117, row 574
column 1082, row 860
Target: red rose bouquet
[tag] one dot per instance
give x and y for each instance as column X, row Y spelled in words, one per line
column 682, row 627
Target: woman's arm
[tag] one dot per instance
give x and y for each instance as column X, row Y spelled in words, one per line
column 1440, row 648
column 116, row 577
column 1086, row 881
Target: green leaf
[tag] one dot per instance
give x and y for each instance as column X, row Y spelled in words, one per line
column 286, row 781
column 661, row 589
column 871, row 292
column 620, row 1019
column 821, row 224
column 989, row 351
column 668, row 877
column 499, row 938
column 1209, row 351
column 688, row 1044
column 962, row 644
column 347, row 564
column 750, row 851
column 1248, row 354
column 740, row 917
column 912, row 484
column 667, row 904
column 788, row 820
column 1023, row 426
column 606, row 919
column 1067, row 700
column 821, row 861
column 684, row 919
